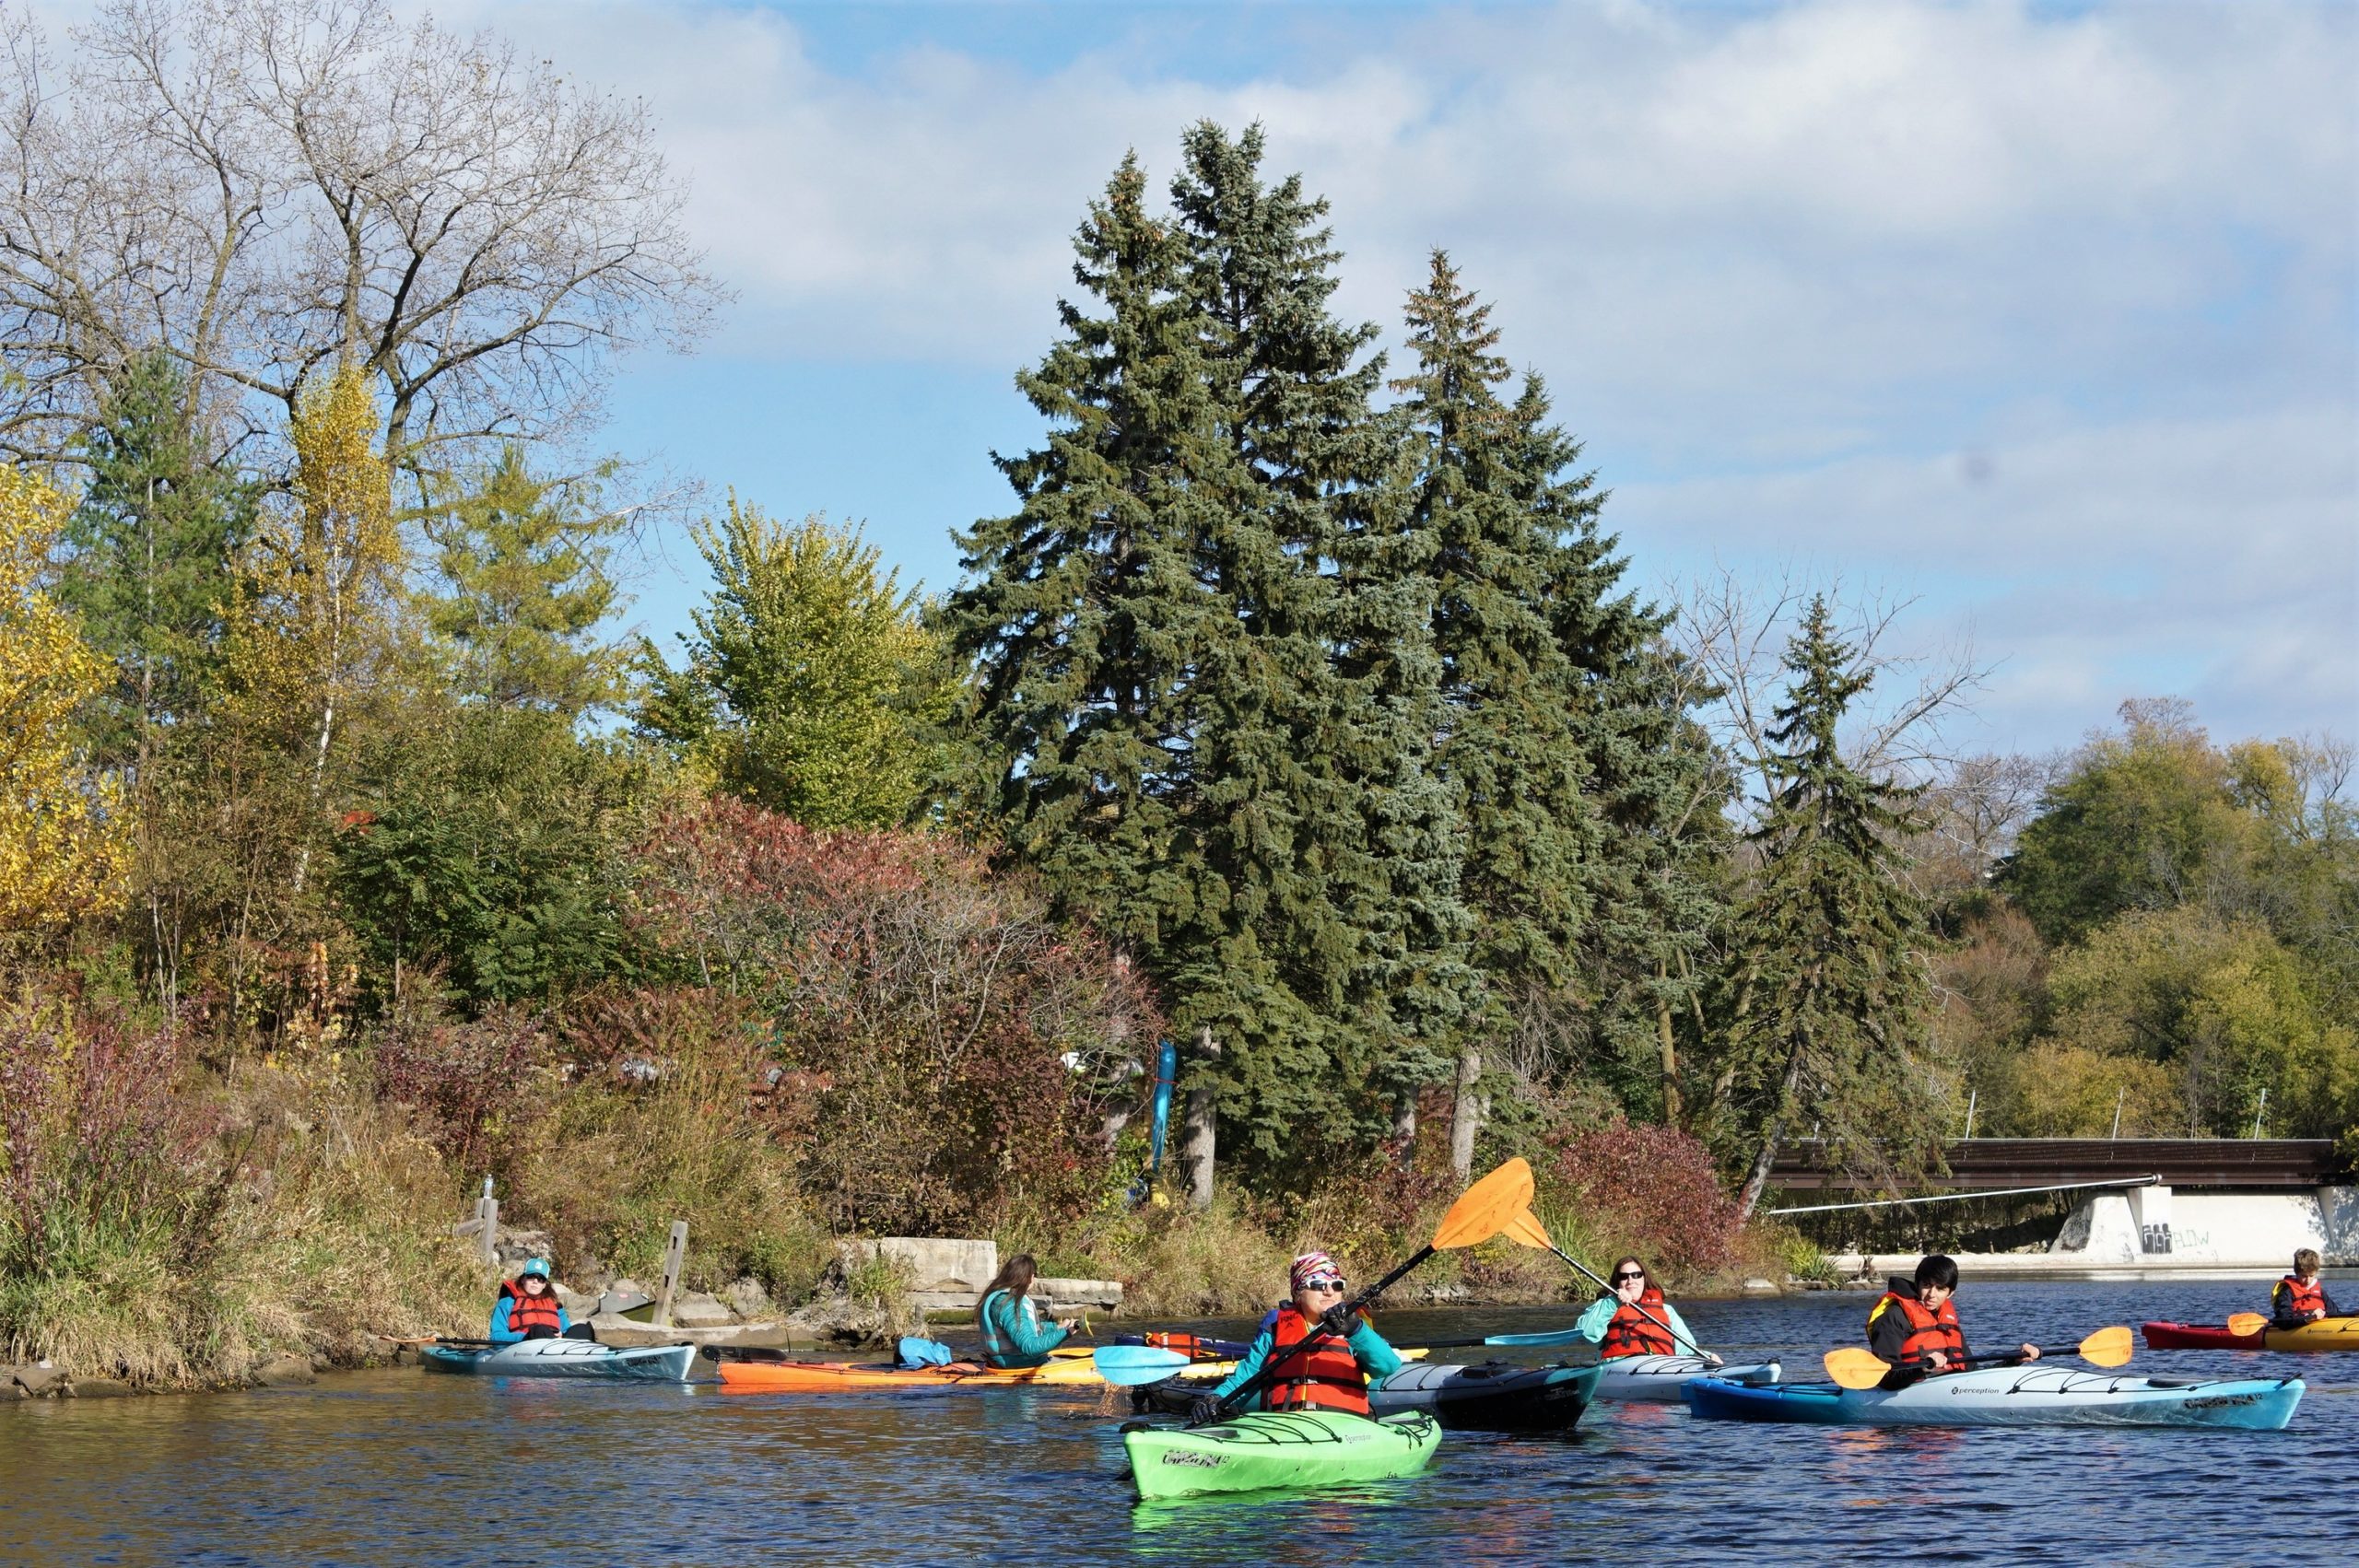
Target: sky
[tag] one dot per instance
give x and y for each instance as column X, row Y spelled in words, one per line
column 2036, row 318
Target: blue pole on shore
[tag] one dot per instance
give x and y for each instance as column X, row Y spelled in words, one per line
column 1166, row 1070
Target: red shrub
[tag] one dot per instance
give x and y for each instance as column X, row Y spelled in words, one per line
column 958, row 1051
column 475, row 1085
column 1653, row 1188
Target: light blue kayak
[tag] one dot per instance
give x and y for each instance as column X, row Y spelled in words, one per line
column 566, row 1358
column 2009, row 1395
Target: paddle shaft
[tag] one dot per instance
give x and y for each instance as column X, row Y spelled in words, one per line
column 1676, row 1337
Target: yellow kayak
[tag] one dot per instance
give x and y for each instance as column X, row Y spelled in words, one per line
column 2326, row 1334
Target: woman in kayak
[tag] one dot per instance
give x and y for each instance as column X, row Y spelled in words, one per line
column 527, row 1308
column 1913, row 1325
column 2300, row 1297
column 1012, row 1335
column 1333, row 1374
column 1634, row 1319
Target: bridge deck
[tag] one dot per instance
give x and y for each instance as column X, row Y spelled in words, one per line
column 1985, row 1164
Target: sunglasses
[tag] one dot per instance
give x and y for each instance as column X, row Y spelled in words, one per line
column 1620, row 1278
column 1323, row 1285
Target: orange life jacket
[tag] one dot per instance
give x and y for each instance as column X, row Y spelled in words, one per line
column 1928, row 1330
column 1326, row 1376
column 2301, row 1297
column 1632, row 1334
column 525, row 1312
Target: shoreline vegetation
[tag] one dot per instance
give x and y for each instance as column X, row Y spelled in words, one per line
column 1302, row 712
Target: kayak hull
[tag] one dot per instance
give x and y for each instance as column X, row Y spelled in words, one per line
column 1495, row 1397
column 1267, row 1449
column 849, row 1378
column 566, row 1358
column 2009, row 1395
column 2326, row 1334
column 1663, row 1379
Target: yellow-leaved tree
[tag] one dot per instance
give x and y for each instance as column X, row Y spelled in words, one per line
column 63, row 839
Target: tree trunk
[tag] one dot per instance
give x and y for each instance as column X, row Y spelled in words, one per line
column 1671, row 1104
column 1466, row 1113
column 1770, row 1130
column 1202, row 1128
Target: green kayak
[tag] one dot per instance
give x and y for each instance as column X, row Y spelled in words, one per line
column 1266, row 1448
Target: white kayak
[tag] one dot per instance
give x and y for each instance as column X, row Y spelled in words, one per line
column 2010, row 1396
column 1663, row 1379
column 565, row 1358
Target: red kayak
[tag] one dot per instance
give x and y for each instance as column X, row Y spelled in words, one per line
column 2199, row 1337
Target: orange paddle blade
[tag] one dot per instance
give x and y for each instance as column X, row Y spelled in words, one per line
column 2109, row 1347
column 1486, row 1209
column 1525, row 1230
column 1855, row 1368
column 2246, row 1323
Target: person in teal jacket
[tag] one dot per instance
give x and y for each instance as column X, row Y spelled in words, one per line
column 1631, row 1320
column 527, row 1308
column 1013, row 1333
column 1334, row 1372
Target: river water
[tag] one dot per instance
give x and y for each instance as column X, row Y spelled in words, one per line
column 407, row 1467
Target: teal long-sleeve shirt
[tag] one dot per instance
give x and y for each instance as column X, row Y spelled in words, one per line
column 501, row 1334
column 1377, row 1359
column 1013, row 1332
column 1593, row 1322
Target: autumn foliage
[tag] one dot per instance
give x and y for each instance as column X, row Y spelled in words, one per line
column 1653, row 1185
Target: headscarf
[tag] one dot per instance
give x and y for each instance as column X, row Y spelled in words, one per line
column 1313, row 1268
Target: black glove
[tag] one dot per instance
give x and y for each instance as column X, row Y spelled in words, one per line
column 1202, row 1408
column 540, row 1332
column 1337, row 1321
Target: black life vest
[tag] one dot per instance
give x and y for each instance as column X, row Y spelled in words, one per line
column 1634, row 1334
column 526, row 1312
column 1929, row 1330
column 1328, row 1375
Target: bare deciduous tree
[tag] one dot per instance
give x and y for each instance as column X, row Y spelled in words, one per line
column 262, row 188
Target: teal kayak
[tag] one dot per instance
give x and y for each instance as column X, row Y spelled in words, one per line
column 1279, row 1448
column 2009, row 1395
column 565, row 1358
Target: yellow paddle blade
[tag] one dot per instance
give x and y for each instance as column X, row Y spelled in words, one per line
column 1855, row 1368
column 1486, row 1207
column 2246, row 1323
column 1526, row 1230
column 2108, row 1347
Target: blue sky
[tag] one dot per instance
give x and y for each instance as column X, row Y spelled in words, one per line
column 2039, row 316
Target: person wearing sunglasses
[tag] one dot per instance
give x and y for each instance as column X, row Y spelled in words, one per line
column 1632, row 1318
column 1332, row 1373
column 527, row 1308
column 1913, row 1325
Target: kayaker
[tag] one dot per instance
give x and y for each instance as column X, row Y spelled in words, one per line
column 527, row 1308
column 1013, row 1333
column 1331, row 1375
column 1634, row 1320
column 1913, row 1325
column 2300, row 1297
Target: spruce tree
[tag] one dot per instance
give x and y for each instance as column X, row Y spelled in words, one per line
column 150, row 550
column 1831, row 997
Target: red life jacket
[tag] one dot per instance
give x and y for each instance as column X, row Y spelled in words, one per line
column 525, row 1312
column 1928, row 1330
column 1632, row 1334
column 1327, row 1376
column 2304, row 1298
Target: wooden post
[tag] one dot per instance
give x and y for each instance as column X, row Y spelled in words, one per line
column 489, row 1209
column 674, row 1256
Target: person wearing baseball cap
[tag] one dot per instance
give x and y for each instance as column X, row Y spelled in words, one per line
column 1332, row 1372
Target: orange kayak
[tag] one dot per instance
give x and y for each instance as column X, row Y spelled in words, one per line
column 843, row 1377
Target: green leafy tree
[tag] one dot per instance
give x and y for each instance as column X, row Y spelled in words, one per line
column 151, row 550
column 1831, row 1001
column 810, row 683
column 524, row 588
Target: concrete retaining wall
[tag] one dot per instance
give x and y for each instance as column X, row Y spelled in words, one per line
column 2212, row 1230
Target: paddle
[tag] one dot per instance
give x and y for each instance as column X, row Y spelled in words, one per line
column 2245, row 1323
column 1855, row 1368
column 1209, row 1348
column 1128, row 1366
column 1481, row 1212
column 1527, row 1229
column 415, row 1339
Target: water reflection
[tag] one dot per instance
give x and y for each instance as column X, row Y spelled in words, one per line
column 402, row 1469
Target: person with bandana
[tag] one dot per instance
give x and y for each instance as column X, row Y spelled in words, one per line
column 1332, row 1373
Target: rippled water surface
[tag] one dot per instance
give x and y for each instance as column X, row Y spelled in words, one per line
column 404, row 1468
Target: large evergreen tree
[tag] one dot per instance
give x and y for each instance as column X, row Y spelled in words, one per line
column 150, row 554
column 1830, row 1004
